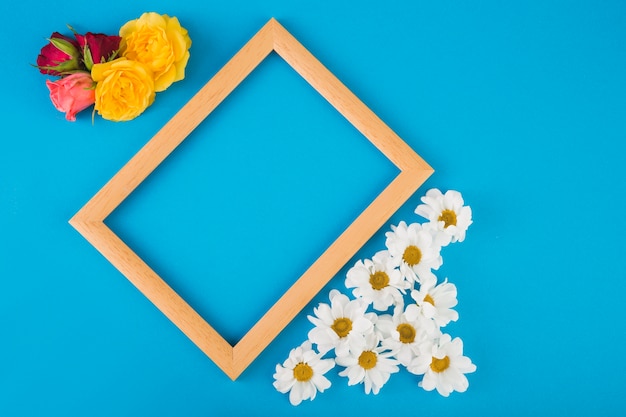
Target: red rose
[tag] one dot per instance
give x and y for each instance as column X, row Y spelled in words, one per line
column 97, row 48
column 60, row 56
column 72, row 94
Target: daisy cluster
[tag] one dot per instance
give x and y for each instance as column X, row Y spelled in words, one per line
column 396, row 316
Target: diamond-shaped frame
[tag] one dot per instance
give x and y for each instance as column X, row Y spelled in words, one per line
column 233, row 360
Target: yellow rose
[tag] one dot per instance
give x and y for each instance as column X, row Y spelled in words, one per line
column 159, row 42
column 124, row 89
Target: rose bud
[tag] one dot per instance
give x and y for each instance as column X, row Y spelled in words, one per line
column 98, row 48
column 72, row 94
column 60, row 56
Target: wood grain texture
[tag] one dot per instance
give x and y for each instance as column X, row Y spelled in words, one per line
column 89, row 220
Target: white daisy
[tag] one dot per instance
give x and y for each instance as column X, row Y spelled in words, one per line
column 340, row 325
column 447, row 213
column 404, row 336
column 443, row 365
column 377, row 281
column 434, row 302
column 372, row 365
column 302, row 374
column 413, row 250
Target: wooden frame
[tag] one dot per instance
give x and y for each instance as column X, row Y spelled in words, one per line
column 233, row 360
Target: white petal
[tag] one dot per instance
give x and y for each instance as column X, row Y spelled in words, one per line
column 284, row 386
column 295, row 395
column 346, row 360
column 377, row 377
column 368, row 384
column 323, row 366
column 337, row 307
column 353, row 310
column 355, row 375
column 283, row 374
column 361, row 325
column 321, row 383
column 308, row 390
column 342, row 348
column 429, row 382
column 324, row 313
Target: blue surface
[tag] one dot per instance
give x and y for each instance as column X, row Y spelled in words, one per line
column 521, row 107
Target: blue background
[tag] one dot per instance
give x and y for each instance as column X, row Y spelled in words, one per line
column 521, row 107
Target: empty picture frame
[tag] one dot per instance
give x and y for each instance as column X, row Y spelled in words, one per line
column 233, row 360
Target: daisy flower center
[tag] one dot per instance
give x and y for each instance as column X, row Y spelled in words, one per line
column 367, row 360
column 342, row 326
column 448, row 217
column 429, row 299
column 407, row 332
column 302, row 372
column 412, row 255
column 440, row 365
column 379, row 280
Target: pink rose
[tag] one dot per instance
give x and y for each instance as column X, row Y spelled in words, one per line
column 72, row 94
column 97, row 48
column 61, row 55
